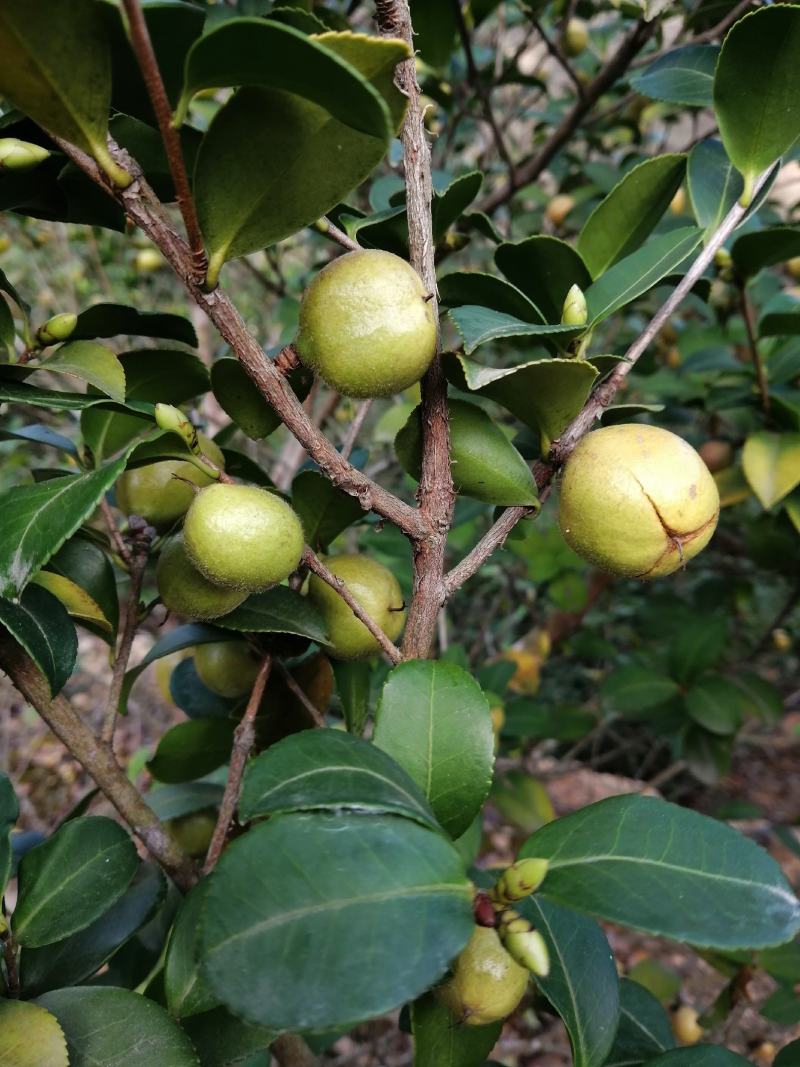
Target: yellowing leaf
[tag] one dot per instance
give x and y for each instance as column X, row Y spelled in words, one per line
column 76, row 600
column 772, row 465
column 30, row 1036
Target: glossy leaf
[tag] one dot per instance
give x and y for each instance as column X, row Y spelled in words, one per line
column 279, row 611
column 763, row 248
column 779, row 324
column 714, row 703
column 186, row 990
column 486, row 290
column 219, row 1037
column 714, row 183
column 434, row 721
column 87, row 565
column 30, row 1036
column 192, row 749
column 383, row 900
column 242, row 402
column 41, row 625
column 71, row 879
column 789, row 1055
column 328, row 770
column 194, row 633
column 771, row 464
column 172, row 801
column 353, row 686
column 632, row 689
column 449, row 205
column 91, row 363
column 9, row 812
column 439, row 1040
column 117, row 1028
column 36, row 520
column 582, row 985
column 699, row 1056
column 683, row 76
column 621, row 222
column 20, row 392
column 644, row 1031
column 620, row 858
column 324, row 510
column 77, row 602
column 755, row 89
column 544, row 268
column 477, row 325
column 110, row 320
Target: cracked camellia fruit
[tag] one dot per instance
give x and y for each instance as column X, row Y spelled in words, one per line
column 486, row 984
column 637, row 501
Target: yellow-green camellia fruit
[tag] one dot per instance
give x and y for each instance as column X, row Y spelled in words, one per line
column 228, row 668
column 243, row 537
column 365, row 325
column 637, row 501
column 155, row 491
column 486, row 984
column 377, row 591
column 193, row 832
column 185, row 591
column 576, row 37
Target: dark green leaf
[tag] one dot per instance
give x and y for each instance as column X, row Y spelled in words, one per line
column 486, row 290
column 191, row 695
column 763, row 248
column 329, row 770
column 699, row 1056
column 779, row 324
column 324, row 509
column 221, row 1039
column 644, row 1031
column 544, row 268
column 683, row 76
column 9, row 812
column 19, row 392
column 789, row 1055
column 83, row 562
column 697, row 645
column 434, row 721
column 436, row 27
column 191, row 749
column 383, row 900
column 758, row 698
column 44, row 629
column 280, row 611
column 193, row 633
column 439, row 1041
column 353, row 686
column 40, row 435
column 714, row 184
column 242, row 402
column 71, row 879
column 623, row 857
column 448, row 206
column 109, row 320
column 477, row 325
column 91, row 363
column 632, row 689
column 172, row 801
column 714, row 703
column 185, row 989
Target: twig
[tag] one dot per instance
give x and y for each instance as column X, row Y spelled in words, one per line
column 243, row 737
column 298, row 692
column 435, row 493
column 318, row 567
column 12, row 969
column 113, row 529
column 330, row 229
column 275, row 288
column 557, row 54
column 755, row 355
column 292, row 1051
column 355, row 428
column 98, row 760
column 146, row 58
column 493, row 539
column 783, row 614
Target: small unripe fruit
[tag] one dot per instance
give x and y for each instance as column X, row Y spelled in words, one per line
column 487, row 984
column 20, row 155
column 57, row 328
column 575, row 312
column 193, row 832
column 184, row 590
column 723, row 259
column 558, row 208
column 677, row 204
column 673, row 358
column 717, row 455
column 227, row 668
column 366, row 325
column 685, row 1025
column 781, row 639
column 793, row 266
column 498, row 713
column 637, row 501
column 243, row 537
column 148, row 260
column 156, row 491
column 576, row 37
column 377, row 591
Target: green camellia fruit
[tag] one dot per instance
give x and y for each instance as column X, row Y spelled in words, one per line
column 243, row 537
column 377, row 591
column 156, row 492
column 366, row 326
column 486, row 984
column 637, row 501
column 184, row 590
column 193, row 832
column 576, row 37
column 228, row 668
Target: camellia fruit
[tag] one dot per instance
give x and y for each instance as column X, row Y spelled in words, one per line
column 637, row 501
column 377, row 591
column 366, row 325
column 157, row 493
column 559, row 207
column 576, row 37
column 227, row 668
column 185, row 591
column 193, row 832
column 486, row 984
column 243, row 537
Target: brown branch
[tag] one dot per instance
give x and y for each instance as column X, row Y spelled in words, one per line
column 113, row 530
column 148, row 64
column 243, row 737
column 98, row 760
column 493, row 539
column 318, row 567
column 330, row 229
column 292, row 1051
column 752, row 343
column 435, row 493
column 555, row 51
column 11, row 962
column 354, row 428
column 300, row 694
column 142, row 206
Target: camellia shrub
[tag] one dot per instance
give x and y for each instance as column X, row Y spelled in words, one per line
column 424, row 379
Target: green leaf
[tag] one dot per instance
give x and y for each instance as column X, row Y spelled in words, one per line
column 72, row 878
column 7, row 331
column 632, row 689
column 644, row 1030
column 779, row 324
column 758, row 698
column 353, row 686
column 699, row 1056
column 87, row 565
column 488, row 291
column 327, row 770
column 278, row 611
column 449, row 205
column 755, row 89
column 194, row 633
column 272, row 162
column 434, row 721
column 383, row 901
column 42, row 626
column 77, row 602
column 110, row 320
column 698, row 645
column 623, row 857
column 435, row 29
column 763, row 248
column 19, row 392
column 439, row 1041
column 76, row 958
column 172, row 801
column 64, row 88
column 582, row 985
column 635, row 274
column 789, row 1055
column 714, row 184
column 715, row 704
column 629, row 213
column 91, row 363
column 221, row 1039
column 192, row 749
column 184, row 987
column 477, row 325
column 250, row 51
column 242, row 402
column 9, row 813
column 544, row 268
column 324, row 509
column 117, row 1028
column 36, row 520
column 771, row 464
column 30, row 1036
column 682, row 76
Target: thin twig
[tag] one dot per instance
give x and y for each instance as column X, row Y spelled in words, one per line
column 292, row 1051
column 752, row 342
column 557, row 54
column 330, row 229
column 298, row 692
column 119, row 543
column 318, row 567
column 140, row 550
column 12, row 969
column 243, row 737
column 354, row 428
column 148, row 64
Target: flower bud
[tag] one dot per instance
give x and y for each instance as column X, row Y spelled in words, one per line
column 575, row 312
column 57, row 328
column 20, row 155
column 529, row 949
column 520, row 880
column 173, row 420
